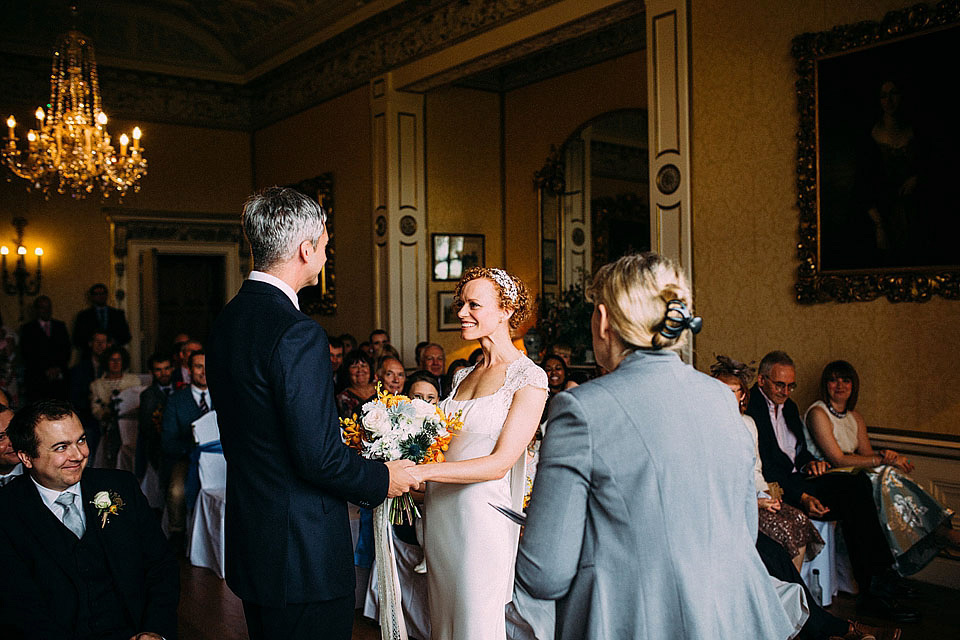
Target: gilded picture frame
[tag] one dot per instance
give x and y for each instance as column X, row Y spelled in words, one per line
column 321, row 299
column 877, row 142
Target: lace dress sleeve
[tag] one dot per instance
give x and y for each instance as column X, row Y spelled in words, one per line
column 525, row 373
column 458, row 378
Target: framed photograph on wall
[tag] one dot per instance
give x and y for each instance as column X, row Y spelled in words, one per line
column 454, row 254
column 877, row 159
column 447, row 319
column 549, row 266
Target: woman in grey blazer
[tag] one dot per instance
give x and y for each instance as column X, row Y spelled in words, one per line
column 643, row 518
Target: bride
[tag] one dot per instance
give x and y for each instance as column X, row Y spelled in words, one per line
column 470, row 548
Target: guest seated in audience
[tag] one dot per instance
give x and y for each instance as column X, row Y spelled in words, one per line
column 153, row 399
column 82, row 376
column 433, row 359
column 360, row 387
column 786, row 524
column 9, row 362
column 423, row 385
column 367, row 348
column 844, row 497
column 100, row 317
column 390, row 373
column 562, row 350
column 558, row 376
column 99, row 567
column 46, row 351
column 917, row 527
column 418, row 350
column 336, row 360
column 176, row 437
column 181, row 374
column 103, row 402
column 378, row 338
column 10, row 466
column 349, row 343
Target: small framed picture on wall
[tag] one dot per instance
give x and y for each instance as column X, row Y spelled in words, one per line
column 447, row 319
column 454, row 254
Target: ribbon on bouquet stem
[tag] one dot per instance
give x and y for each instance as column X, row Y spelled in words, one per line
column 392, row 625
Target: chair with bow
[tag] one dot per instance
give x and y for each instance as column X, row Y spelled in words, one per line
column 127, row 422
column 206, row 489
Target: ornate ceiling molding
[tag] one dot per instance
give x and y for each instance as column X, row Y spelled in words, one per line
column 398, row 36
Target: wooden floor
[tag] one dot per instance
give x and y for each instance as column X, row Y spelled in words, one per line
column 210, row 611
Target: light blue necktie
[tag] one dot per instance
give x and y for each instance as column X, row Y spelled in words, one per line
column 71, row 515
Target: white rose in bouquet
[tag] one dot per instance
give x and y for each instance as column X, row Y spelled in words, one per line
column 376, row 420
column 422, row 409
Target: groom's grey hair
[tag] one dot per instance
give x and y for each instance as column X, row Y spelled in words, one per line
column 275, row 222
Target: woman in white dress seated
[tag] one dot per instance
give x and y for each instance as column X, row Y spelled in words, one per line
column 916, row 525
column 470, row 547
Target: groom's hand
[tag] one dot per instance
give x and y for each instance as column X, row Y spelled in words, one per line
column 400, row 479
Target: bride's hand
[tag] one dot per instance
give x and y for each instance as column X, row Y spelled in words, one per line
column 418, row 473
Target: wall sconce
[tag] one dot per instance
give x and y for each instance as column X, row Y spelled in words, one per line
column 19, row 282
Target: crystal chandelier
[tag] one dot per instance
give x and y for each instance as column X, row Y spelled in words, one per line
column 70, row 150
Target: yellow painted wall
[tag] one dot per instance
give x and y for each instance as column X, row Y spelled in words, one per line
column 190, row 169
column 745, row 226
column 332, row 137
column 463, row 185
column 547, row 113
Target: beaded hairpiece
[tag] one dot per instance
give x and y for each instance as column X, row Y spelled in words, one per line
column 678, row 318
column 506, row 283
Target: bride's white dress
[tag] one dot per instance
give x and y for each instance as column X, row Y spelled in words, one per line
column 470, row 547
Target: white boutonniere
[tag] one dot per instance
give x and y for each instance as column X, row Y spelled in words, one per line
column 108, row 503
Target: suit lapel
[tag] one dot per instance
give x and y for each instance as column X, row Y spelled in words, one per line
column 47, row 528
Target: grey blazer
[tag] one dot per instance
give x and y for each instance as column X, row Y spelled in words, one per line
column 643, row 518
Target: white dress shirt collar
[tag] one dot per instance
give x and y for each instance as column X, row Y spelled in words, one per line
column 49, row 497
column 196, row 396
column 786, row 440
column 260, row 276
column 7, row 477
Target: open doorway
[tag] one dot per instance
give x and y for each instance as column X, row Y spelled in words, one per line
column 190, row 293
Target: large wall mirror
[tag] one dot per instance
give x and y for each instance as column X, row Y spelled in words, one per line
column 594, row 199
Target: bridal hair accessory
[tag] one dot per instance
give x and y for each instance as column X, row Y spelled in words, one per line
column 506, row 283
column 678, row 318
column 727, row 365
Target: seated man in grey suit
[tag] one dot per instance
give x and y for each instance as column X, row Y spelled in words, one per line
column 176, row 436
column 82, row 553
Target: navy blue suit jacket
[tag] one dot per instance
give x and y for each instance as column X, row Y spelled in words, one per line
column 41, row 591
column 176, row 433
column 289, row 475
column 777, row 466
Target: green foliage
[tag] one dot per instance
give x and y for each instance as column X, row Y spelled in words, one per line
column 566, row 319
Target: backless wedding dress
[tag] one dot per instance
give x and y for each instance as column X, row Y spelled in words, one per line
column 469, row 546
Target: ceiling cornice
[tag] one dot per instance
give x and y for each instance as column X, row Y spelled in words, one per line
column 400, row 35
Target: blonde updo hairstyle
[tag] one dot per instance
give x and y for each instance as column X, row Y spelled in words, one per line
column 635, row 290
column 522, row 306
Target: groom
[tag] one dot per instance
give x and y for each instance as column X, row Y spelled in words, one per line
column 289, row 553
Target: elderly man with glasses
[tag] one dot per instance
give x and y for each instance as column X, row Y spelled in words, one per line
column 845, row 497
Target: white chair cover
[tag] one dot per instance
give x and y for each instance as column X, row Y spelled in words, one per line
column 205, row 546
column 128, row 423
column 833, row 563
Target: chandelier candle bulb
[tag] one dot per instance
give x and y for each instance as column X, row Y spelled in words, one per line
column 123, row 144
column 21, row 251
column 11, row 124
column 136, row 138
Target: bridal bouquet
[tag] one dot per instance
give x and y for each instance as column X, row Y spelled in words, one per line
column 395, row 427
